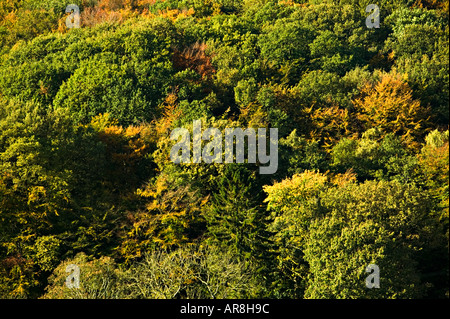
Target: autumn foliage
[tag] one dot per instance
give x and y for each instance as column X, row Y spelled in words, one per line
column 86, row 176
column 389, row 106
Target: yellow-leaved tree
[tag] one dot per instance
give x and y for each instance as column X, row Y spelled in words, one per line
column 389, row 105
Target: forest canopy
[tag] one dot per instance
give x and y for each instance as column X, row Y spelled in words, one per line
column 86, row 116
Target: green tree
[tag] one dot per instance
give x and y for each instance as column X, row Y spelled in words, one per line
column 234, row 217
column 382, row 223
column 425, row 59
column 293, row 203
column 284, row 49
column 329, row 229
column 373, row 157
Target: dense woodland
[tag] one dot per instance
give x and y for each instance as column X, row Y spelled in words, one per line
column 86, row 178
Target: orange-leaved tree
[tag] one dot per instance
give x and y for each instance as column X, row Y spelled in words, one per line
column 127, row 151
